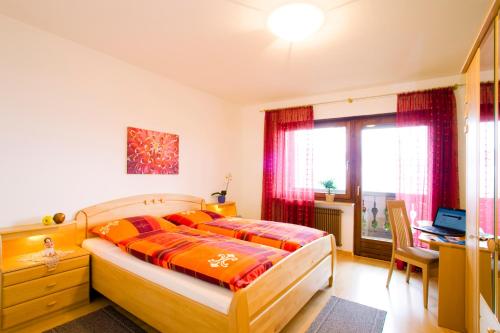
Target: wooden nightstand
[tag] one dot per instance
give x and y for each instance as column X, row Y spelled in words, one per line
column 226, row 209
column 30, row 288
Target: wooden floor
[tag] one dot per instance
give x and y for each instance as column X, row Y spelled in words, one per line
column 362, row 280
column 358, row 279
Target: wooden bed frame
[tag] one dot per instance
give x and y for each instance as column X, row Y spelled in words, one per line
column 266, row 305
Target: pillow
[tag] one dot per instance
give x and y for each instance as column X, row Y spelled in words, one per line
column 191, row 218
column 119, row 230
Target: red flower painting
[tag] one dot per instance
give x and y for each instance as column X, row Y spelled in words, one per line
column 152, row 152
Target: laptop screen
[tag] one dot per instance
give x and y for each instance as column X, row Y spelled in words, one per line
column 451, row 219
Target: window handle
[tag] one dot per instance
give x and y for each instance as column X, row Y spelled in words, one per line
column 358, row 189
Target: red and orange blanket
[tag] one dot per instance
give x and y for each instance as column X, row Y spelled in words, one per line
column 289, row 237
column 217, row 259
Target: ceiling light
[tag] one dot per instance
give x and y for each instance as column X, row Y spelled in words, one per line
column 295, row 21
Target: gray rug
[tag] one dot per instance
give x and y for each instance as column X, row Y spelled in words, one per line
column 105, row 320
column 341, row 316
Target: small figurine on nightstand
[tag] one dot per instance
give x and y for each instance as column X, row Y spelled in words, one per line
column 49, row 247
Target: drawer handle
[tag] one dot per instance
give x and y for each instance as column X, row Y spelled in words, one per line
column 51, row 285
column 52, row 303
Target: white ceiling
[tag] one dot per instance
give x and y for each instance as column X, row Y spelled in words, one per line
column 223, row 46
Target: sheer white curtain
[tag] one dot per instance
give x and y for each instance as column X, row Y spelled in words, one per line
column 413, row 173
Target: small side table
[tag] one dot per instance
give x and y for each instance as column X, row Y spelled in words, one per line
column 226, row 209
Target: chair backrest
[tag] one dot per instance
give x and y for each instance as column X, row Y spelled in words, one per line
column 400, row 224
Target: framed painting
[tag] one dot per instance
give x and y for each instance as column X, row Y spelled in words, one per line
column 152, row 152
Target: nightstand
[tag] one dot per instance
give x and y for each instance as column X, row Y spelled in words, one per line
column 226, row 209
column 30, row 287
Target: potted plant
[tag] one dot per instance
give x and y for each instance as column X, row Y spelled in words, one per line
column 221, row 196
column 330, row 186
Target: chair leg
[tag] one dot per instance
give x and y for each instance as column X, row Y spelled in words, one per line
column 408, row 271
column 425, row 283
column 390, row 271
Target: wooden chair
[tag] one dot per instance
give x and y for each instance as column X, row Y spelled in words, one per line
column 403, row 249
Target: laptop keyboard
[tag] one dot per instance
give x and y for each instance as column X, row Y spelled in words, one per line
column 442, row 230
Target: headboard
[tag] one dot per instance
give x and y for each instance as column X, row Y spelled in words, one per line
column 147, row 204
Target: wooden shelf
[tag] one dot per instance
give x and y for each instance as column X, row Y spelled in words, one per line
column 227, row 208
column 21, row 240
column 33, row 229
column 15, row 263
column 326, row 204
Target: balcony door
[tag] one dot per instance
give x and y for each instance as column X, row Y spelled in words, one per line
column 375, row 182
column 371, row 160
column 389, row 160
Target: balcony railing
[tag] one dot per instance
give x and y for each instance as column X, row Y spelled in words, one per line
column 374, row 216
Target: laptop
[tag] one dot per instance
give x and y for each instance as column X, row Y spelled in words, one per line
column 448, row 222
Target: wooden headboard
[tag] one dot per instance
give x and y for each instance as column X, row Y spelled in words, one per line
column 147, row 204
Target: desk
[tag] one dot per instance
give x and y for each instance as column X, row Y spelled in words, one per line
column 451, row 281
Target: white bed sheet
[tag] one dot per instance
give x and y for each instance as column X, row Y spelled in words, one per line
column 208, row 294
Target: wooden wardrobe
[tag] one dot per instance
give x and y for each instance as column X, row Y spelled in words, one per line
column 481, row 71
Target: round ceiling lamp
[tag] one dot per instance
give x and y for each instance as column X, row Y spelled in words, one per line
column 295, row 21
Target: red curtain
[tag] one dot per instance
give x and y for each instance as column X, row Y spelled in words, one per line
column 433, row 111
column 288, row 196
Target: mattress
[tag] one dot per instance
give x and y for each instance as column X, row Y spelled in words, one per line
column 205, row 293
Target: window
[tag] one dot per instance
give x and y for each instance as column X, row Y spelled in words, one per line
column 393, row 160
column 329, row 157
column 486, row 158
column 386, row 150
column 330, row 151
column 486, row 176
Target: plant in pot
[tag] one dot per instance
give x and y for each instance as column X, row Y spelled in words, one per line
column 330, row 186
column 221, row 195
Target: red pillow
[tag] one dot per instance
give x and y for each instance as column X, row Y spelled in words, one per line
column 191, row 218
column 122, row 229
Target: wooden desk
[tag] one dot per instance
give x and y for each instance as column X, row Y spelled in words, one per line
column 451, row 281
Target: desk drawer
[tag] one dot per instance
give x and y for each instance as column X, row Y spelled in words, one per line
column 23, row 312
column 26, row 291
column 37, row 272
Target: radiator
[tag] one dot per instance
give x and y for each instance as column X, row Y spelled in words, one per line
column 329, row 220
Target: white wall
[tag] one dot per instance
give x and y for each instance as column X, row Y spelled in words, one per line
column 64, row 110
column 248, row 170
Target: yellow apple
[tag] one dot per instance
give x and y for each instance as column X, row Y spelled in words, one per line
column 46, row 220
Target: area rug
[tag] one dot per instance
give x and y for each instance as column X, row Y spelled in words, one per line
column 105, row 320
column 341, row 316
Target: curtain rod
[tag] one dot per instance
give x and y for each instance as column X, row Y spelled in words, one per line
column 351, row 100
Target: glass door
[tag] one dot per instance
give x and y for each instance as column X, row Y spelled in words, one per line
column 375, row 183
column 390, row 160
column 378, row 179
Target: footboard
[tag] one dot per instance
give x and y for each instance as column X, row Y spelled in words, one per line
column 272, row 300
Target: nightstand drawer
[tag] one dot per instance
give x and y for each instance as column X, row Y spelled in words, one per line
column 26, row 311
column 29, row 290
column 42, row 270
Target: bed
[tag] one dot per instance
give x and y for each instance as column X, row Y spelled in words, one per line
column 289, row 237
column 174, row 302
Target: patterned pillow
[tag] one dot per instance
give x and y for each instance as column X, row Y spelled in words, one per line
column 119, row 230
column 191, row 218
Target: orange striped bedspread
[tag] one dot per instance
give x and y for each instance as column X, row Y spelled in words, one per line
column 286, row 236
column 289, row 237
column 217, row 259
